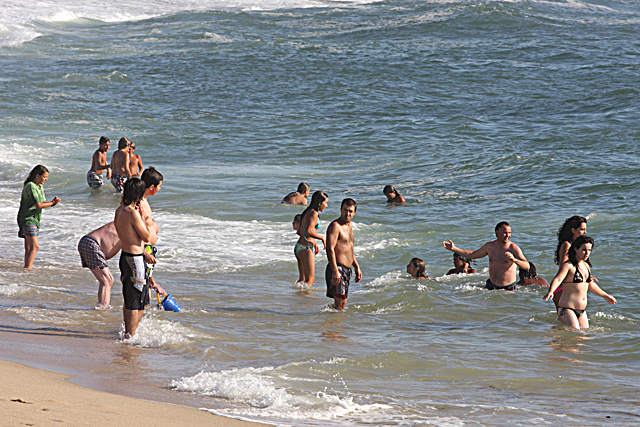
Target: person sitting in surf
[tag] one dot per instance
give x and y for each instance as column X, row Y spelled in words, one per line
column 576, row 279
column 530, row 277
column 298, row 197
column 393, row 197
column 461, row 265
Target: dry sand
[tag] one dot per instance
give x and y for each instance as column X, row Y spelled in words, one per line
column 34, row 397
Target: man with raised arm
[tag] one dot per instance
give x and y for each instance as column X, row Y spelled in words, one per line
column 504, row 256
column 341, row 256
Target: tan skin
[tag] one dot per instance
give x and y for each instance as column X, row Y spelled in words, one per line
column 461, row 267
column 563, row 255
column 504, row 256
column 133, row 232
column 109, row 242
column 413, row 271
column 395, row 198
column 574, row 295
column 306, row 257
column 297, row 198
column 135, row 163
column 99, row 160
column 340, row 249
column 120, row 162
column 31, row 244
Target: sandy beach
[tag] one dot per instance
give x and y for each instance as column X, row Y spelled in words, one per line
column 34, row 397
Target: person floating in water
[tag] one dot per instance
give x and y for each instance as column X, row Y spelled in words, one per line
column 32, row 201
column 341, row 256
column 575, row 277
column 461, row 265
column 99, row 164
column 393, row 197
column 530, row 277
column 504, row 256
column 416, row 269
column 298, row 197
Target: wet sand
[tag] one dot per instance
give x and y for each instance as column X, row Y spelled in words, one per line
column 30, row 396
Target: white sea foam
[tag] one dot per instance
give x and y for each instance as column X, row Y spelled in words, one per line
column 18, row 16
column 263, row 390
column 155, row 332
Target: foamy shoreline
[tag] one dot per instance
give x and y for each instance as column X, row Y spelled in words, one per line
column 31, row 396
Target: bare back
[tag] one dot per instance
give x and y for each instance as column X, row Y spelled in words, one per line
column 107, row 238
column 120, row 163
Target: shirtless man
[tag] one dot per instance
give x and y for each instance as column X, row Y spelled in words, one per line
column 504, row 255
column 135, row 162
column 133, row 232
column 120, row 164
column 341, row 256
column 95, row 249
column 99, row 164
column 298, row 197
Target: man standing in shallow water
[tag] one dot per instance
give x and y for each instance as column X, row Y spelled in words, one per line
column 504, row 255
column 99, row 164
column 341, row 256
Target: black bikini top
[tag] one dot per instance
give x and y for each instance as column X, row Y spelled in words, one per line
column 577, row 277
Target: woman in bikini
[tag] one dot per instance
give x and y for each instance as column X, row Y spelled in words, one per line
column 306, row 248
column 572, row 228
column 416, row 269
column 575, row 277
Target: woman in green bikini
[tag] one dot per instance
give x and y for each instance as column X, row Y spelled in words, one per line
column 576, row 280
column 306, row 248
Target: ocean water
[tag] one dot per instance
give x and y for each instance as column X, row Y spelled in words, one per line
column 477, row 111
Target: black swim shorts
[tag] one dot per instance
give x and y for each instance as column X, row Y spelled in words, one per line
column 342, row 289
column 135, row 287
column 490, row 286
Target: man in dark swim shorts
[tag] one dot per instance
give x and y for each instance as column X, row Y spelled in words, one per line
column 135, row 286
column 504, row 256
column 340, row 255
column 490, row 286
column 341, row 290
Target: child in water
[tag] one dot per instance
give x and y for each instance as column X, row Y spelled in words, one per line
column 416, row 269
column 462, row 265
column 393, row 197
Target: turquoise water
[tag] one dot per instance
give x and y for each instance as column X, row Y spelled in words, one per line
column 477, row 111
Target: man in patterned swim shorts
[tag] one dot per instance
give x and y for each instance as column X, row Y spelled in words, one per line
column 95, row 249
column 341, row 256
column 99, row 164
column 120, row 164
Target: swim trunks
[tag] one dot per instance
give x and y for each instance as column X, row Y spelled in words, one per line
column 490, row 286
column 135, row 287
column 118, row 182
column 94, row 180
column 342, row 289
column 91, row 253
column 30, row 230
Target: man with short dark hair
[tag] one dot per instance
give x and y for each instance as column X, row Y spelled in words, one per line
column 503, row 254
column 341, row 256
